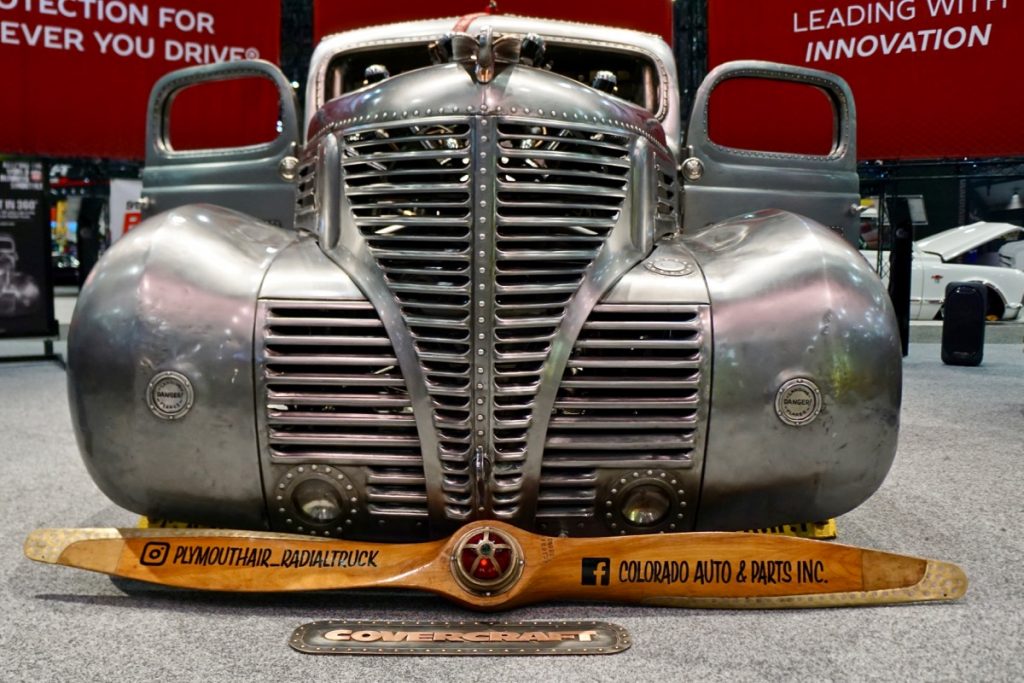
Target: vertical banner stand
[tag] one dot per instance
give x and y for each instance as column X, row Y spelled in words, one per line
column 900, row 256
column 48, row 354
column 26, row 278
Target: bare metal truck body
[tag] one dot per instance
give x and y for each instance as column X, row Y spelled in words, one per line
column 485, row 287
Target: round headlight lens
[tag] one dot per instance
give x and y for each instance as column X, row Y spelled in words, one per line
column 646, row 505
column 317, row 500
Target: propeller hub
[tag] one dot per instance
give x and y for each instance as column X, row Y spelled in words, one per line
column 486, row 561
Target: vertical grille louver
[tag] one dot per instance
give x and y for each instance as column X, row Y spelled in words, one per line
column 333, row 392
column 629, row 397
column 559, row 191
column 305, row 189
column 666, row 216
column 408, row 189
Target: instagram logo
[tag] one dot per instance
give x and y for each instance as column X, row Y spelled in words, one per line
column 154, row 553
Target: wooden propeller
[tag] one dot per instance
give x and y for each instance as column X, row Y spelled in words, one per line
column 492, row 565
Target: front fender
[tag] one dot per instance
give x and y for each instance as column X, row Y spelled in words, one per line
column 792, row 300
column 178, row 293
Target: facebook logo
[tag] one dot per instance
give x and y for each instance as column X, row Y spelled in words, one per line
column 595, row 571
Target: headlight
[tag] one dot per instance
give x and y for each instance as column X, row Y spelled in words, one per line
column 317, row 501
column 646, row 505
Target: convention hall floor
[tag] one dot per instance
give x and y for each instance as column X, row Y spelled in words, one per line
column 954, row 493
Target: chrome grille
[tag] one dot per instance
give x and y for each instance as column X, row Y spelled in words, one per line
column 409, row 195
column 559, row 192
column 629, row 398
column 332, row 392
column 483, row 230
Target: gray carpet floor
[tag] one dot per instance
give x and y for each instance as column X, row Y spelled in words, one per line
column 955, row 493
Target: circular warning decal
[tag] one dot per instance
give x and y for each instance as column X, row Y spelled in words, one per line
column 798, row 402
column 169, row 395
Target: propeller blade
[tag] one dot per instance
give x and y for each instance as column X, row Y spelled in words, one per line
column 492, row 565
column 229, row 560
column 736, row 570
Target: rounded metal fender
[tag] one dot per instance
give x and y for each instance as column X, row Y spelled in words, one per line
column 178, row 293
column 791, row 300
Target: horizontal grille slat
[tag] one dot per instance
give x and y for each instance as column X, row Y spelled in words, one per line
column 618, row 423
column 579, row 157
column 510, row 189
column 639, row 325
column 339, row 380
column 425, row 255
column 394, row 477
column 390, row 193
column 460, row 140
column 377, row 494
column 634, row 343
column 385, row 217
column 615, row 403
column 618, row 443
column 539, row 288
column 340, row 420
column 534, row 138
column 277, row 358
column 631, row 362
column 639, row 383
column 567, row 479
column 356, row 178
column 315, row 340
column 602, row 180
column 280, row 436
column 542, row 255
column 322, row 322
column 351, row 458
column 566, row 495
column 515, row 323
column 426, row 289
column 553, row 221
column 428, row 271
column 380, row 157
column 621, row 461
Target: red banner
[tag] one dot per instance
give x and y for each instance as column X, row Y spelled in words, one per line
column 77, row 73
column 931, row 78
column 652, row 16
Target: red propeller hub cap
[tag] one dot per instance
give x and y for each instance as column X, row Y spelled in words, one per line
column 487, row 561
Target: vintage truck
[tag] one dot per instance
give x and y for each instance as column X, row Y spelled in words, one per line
column 494, row 279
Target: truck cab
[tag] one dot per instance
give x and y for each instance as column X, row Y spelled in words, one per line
column 494, row 278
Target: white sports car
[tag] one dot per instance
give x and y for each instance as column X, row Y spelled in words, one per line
column 969, row 253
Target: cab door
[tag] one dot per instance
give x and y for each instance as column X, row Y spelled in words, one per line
column 256, row 179
column 722, row 182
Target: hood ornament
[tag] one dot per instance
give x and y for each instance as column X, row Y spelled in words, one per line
column 482, row 54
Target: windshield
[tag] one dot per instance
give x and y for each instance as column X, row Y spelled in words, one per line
column 637, row 77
